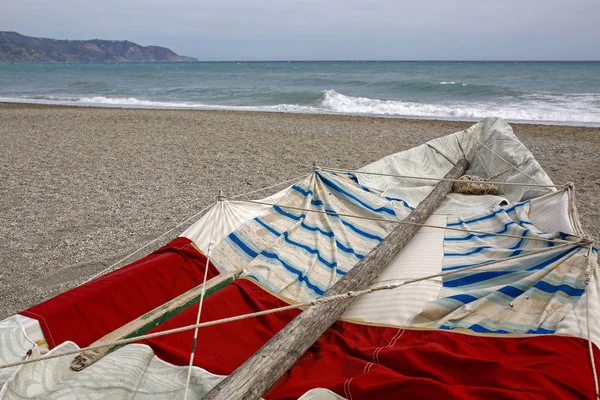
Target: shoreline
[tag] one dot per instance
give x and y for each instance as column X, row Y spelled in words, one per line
column 248, row 109
column 84, row 186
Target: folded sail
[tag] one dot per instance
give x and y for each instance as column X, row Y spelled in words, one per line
column 507, row 317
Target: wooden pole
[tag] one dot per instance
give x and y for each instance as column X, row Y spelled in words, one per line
column 151, row 319
column 267, row 365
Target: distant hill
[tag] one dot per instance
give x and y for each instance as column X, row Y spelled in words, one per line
column 15, row 47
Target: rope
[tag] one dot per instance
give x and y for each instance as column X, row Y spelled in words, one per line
column 148, row 244
column 587, row 317
column 202, row 293
column 413, row 223
column 296, row 179
column 573, row 215
column 506, row 170
column 499, row 156
column 437, row 179
column 268, row 187
column 321, row 300
column 184, row 222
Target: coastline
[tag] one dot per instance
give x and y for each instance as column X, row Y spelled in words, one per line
column 85, row 186
column 150, row 105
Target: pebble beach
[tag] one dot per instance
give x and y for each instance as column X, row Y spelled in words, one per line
column 82, row 187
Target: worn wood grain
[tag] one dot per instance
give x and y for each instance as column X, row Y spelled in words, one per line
column 267, row 365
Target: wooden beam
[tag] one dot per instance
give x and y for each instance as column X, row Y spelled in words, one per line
column 151, row 319
column 253, row 378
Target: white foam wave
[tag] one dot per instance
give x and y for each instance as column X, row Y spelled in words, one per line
column 575, row 109
column 453, row 83
column 132, row 102
column 583, row 108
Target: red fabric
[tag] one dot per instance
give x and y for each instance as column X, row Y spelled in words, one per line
column 367, row 362
column 88, row 312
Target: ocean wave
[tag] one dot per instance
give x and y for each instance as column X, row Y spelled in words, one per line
column 428, row 89
column 132, row 102
column 416, row 88
column 453, row 83
column 577, row 109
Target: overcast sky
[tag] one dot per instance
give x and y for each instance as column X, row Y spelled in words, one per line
column 325, row 30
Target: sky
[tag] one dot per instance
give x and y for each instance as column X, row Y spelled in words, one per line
column 325, row 30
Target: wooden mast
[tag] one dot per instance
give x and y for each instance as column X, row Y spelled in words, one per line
column 268, row 364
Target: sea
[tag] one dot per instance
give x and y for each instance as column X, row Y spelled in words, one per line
column 535, row 92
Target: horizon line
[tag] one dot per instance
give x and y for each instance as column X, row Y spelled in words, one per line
column 290, row 61
column 395, row 60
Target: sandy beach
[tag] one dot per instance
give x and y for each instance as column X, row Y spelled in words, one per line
column 83, row 187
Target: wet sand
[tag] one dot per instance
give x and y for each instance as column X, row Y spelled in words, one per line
column 83, row 187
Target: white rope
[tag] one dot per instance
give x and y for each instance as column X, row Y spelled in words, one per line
column 148, row 244
column 202, row 293
column 437, row 179
column 268, row 187
column 499, row 156
column 587, row 317
column 414, row 223
column 184, row 222
column 573, row 215
column 109, row 268
column 496, row 175
column 321, row 300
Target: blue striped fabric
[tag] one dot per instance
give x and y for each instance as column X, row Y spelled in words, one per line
column 365, row 188
column 300, row 254
column 525, row 295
